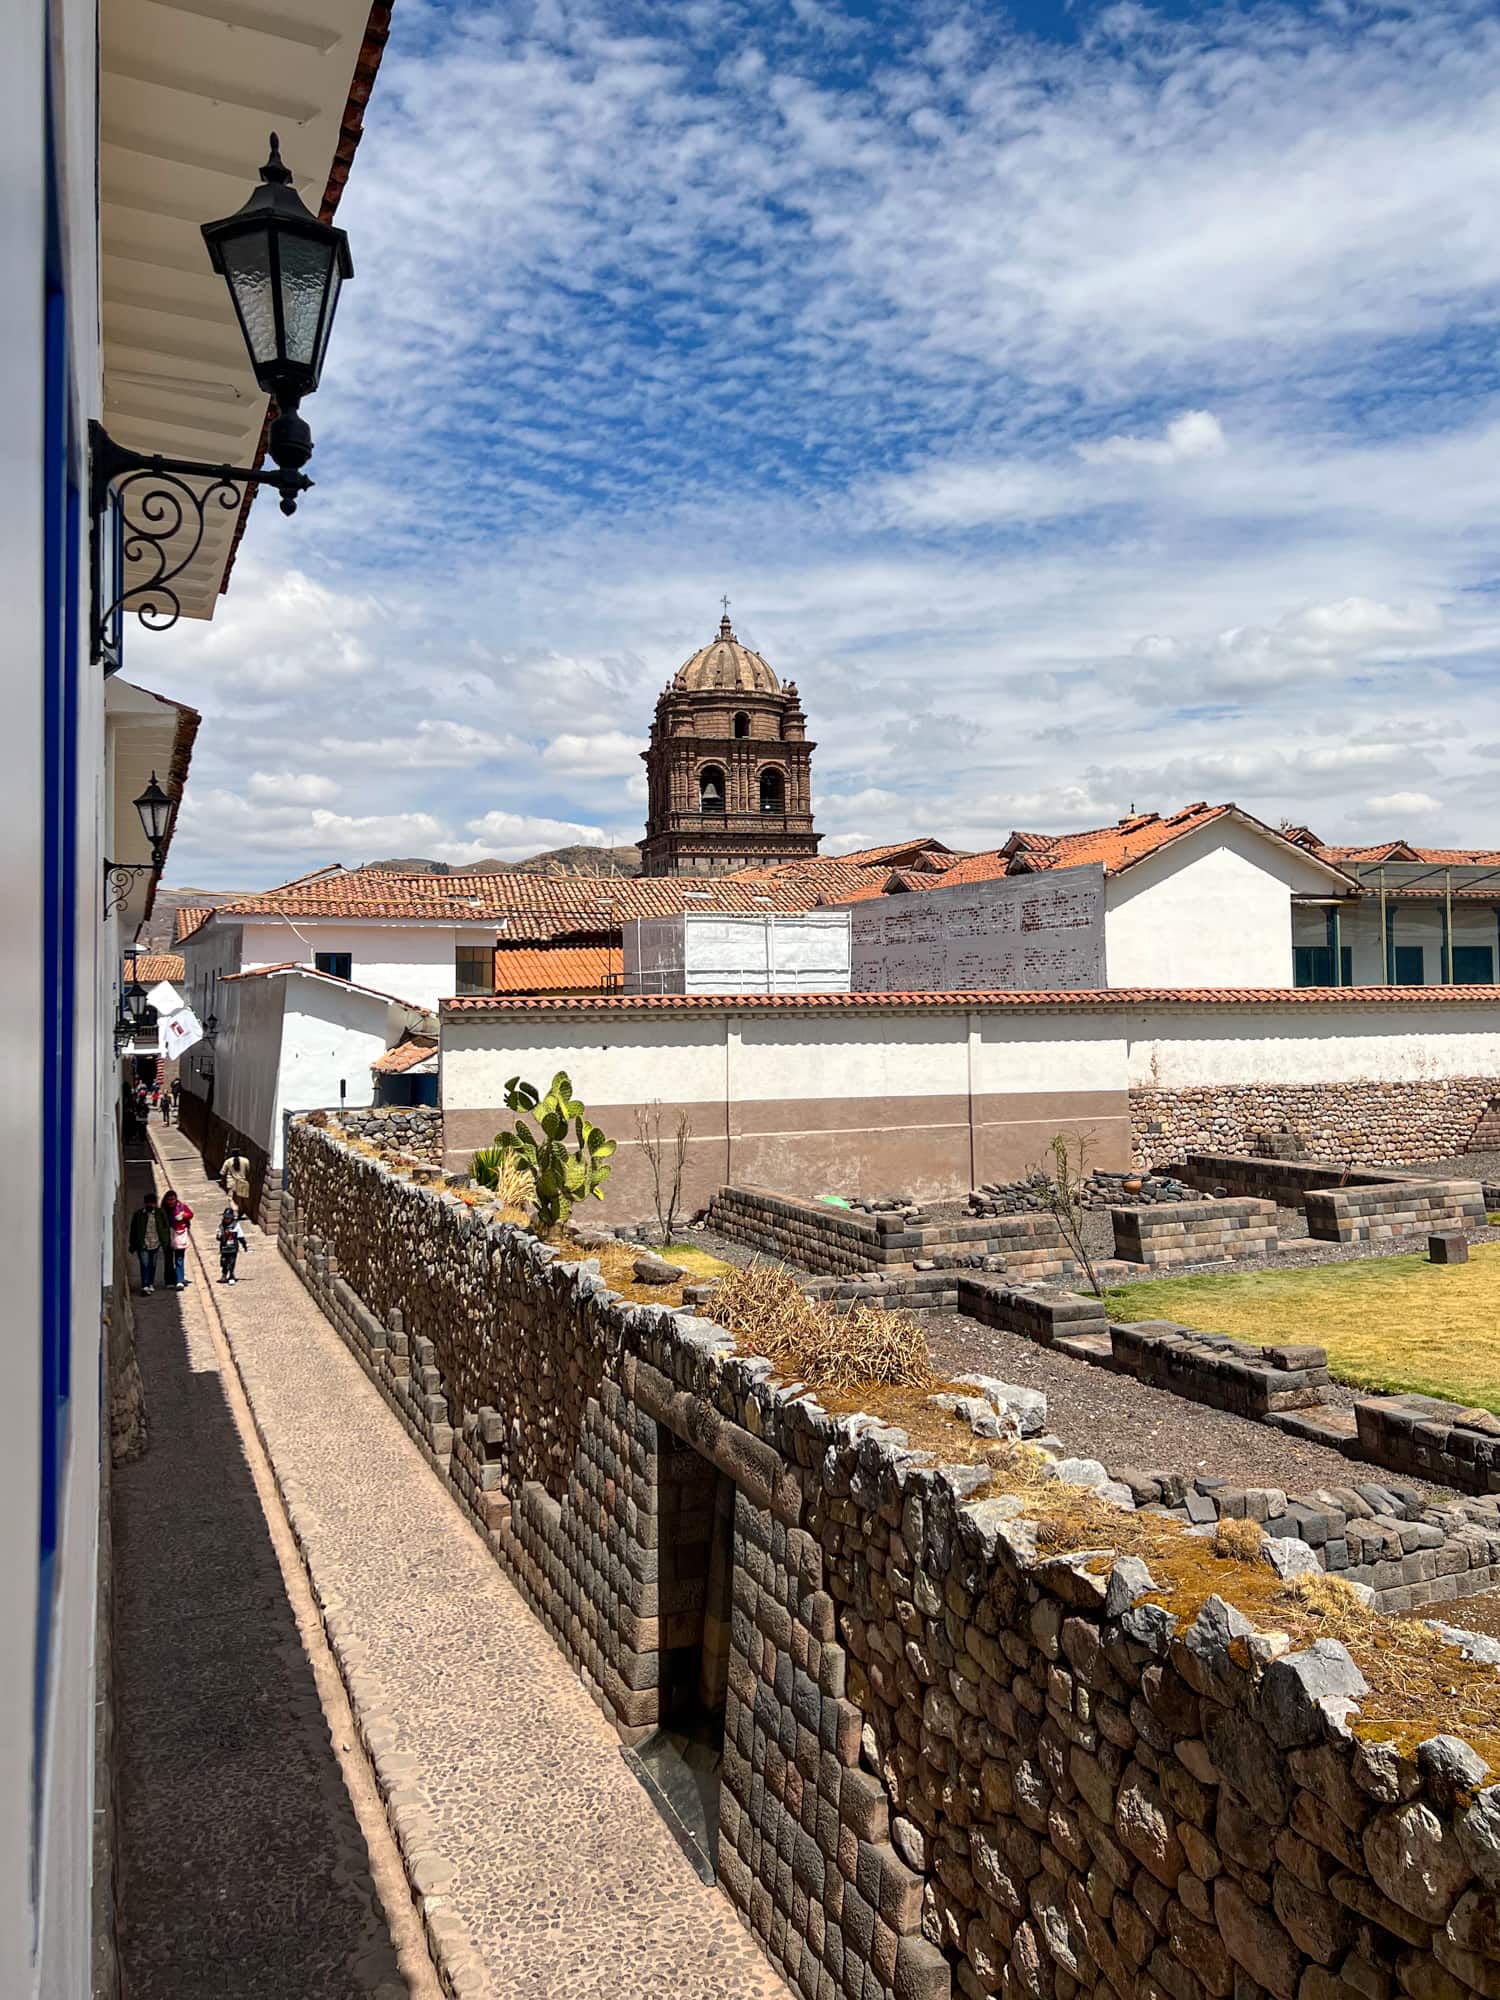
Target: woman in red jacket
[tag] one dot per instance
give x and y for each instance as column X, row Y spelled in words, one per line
column 177, row 1216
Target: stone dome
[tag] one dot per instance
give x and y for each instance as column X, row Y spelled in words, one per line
column 724, row 666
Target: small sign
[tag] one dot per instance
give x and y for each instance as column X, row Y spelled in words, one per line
column 180, row 1032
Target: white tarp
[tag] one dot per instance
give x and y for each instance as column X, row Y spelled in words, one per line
column 706, row 951
column 165, row 999
column 180, row 1032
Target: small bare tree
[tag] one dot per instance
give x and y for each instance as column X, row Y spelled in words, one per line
column 666, row 1157
column 1060, row 1193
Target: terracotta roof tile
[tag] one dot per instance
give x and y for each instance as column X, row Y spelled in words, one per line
column 877, row 1003
column 151, row 967
column 187, row 920
column 404, row 1056
column 1401, row 850
column 566, row 968
column 534, row 907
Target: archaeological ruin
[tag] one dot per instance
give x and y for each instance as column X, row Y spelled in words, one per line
column 956, row 1721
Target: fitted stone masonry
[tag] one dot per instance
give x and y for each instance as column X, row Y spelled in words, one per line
column 953, row 1762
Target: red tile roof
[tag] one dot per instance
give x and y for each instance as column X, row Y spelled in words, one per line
column 891, row 853
column 527, row 908
column 151, row 967
column 1401, row 850
column 879, row 1003
column 555, row 969
column 404, row 1056
column 188, row 920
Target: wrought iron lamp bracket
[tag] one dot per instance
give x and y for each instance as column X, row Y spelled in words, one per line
column 119, row 880
column 159, row 521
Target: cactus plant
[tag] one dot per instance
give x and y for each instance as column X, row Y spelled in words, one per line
column 559, row 1175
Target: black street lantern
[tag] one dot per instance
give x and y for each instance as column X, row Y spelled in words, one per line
column 134, row 1004
column 283, row 268
column 155, row 810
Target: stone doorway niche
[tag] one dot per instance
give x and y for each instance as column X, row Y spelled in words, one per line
column 681, row 1761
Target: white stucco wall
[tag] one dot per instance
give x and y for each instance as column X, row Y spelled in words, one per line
column 687, row 1058
column 1322, row 1042
column 679, row 1059
column 1212, row 909
column 412, row 961
column 286, row 1043
column 45, row 1864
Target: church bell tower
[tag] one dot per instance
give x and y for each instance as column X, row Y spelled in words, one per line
column 729, row 768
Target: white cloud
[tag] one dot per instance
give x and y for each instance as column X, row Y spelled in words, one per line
column 1405, row 802
column 608, row 750
column 1028, row 397
column 1195, row 434
column 303, row 788
column 513, row 836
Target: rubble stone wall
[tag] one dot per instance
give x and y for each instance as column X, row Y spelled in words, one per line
column 1358, row 1124
column 953, row 1763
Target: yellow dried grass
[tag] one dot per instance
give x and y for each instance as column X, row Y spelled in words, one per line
column 766, row 1309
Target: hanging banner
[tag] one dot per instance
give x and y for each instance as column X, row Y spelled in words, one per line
column 180, row 1032
column 165, row 999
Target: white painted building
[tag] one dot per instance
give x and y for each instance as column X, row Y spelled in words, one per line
column 123, row 124
column 289, row 1039
column 419, row 960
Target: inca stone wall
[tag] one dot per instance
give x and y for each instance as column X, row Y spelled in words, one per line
column 1363, row 1124
column 815, row 1236
column 953, row 1762
column 1195, row 1232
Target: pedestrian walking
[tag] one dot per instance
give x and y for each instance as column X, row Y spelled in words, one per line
column 166, row 1107
column 231, row 1243
column 178, row 1217
column 145, row 1240
column 176, row 1090
column 234, row 1178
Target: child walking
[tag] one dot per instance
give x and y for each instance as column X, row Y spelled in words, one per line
column 231, row 1243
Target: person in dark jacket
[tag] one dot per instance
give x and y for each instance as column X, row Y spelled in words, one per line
column 231, row 1243
column 146, row 1240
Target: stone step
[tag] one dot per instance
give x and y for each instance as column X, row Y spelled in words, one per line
column 1325, row 1424
column 1084, row 1346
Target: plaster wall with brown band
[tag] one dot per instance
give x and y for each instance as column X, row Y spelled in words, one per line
column 935, row 1093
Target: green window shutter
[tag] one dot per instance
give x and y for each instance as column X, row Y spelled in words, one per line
column 1473, row 965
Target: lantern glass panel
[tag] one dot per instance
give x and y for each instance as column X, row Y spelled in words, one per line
column 247, row 266
column 305, row 277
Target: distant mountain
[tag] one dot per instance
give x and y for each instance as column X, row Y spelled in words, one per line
column 556, row 861
column 160, row 933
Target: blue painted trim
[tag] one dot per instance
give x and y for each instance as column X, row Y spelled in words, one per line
column 57, row 990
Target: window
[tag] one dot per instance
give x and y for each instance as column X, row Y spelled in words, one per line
column 474, row 968
column 1407, row 965
column 711, row 789
column 1312, row 965
column 1473, row 965
column 742, row 724
column 337, row 964
column 772, row 792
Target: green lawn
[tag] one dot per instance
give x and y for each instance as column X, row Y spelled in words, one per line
column 1387, row 1322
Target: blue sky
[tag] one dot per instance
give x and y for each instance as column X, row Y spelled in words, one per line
column 1088, row 406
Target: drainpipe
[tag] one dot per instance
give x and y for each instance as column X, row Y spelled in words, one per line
column 1386, row 941
column 1335, row 943
column 1447, row 926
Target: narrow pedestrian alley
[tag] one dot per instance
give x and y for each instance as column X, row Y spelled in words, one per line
column 543, row 1869
column 242, row 1870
